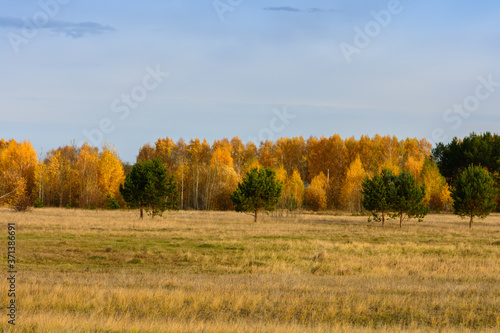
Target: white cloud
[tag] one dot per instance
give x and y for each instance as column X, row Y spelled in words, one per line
column 70, row 29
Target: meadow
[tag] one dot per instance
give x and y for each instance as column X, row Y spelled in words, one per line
column 108, row 271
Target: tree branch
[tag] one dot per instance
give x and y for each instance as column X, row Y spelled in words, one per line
column 6, row 195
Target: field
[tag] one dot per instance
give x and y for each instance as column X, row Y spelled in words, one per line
column 108, row 271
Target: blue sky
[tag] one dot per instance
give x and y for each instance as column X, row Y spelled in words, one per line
column 130, row 72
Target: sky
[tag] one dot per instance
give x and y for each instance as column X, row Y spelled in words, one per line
column 130, row 72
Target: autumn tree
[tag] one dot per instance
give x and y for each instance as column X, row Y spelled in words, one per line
column 291, row 154
column 250, row 157
column 110, row 172
column 18, row 168
column 390, row 153
column 80, row 177
column 165, row 150
column 259, row 190
column 199, row 154
column 146, row 153
column 327, row 156
column 267, row 154
column 315, row 193
column 62, row 183
column 474, row 193
column 294, row 191
column 415, row 153
column 222, row 178
column 86, row 183
column 376, row 193
column 182, row 168
column 351, row 189
column 437, row 191
column 238, row 153
column 406, row 198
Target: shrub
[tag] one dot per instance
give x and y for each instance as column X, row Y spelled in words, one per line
column 111, row 202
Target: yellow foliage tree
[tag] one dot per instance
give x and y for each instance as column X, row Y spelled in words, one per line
column 18, row 167
column 165, row 150
column 110, row 171
column 61, row 178
column 249, row 165
column 414, row 165
column 281, row 173
column 294, row 188
column 351, row 189
column 222, row 156
column 315, row 194
column 328, row 155
column 437, row 191
column 267, row 154
column 146, row 153
column 222, row 179
column 87, row 170
column 390, row 165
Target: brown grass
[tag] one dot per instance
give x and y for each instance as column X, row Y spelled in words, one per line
column 103, row 271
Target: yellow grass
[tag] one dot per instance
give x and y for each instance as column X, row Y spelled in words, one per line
column 103, row 271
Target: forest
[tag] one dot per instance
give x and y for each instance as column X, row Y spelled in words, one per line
column 317, row 173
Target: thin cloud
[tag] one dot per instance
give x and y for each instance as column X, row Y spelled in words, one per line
column 298, row 10
column 70, row 29
column 283, row 9
column 77, row 30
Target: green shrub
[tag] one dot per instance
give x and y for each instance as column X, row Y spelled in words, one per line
column 38, row 203
column 112, row 203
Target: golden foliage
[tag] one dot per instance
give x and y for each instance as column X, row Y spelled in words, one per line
column 18, row 168
column 437, row 190
column 294, row 187
column 110, row 171
column 222, row 156
column 315, row 194
column 87, row 169
column 351, row 189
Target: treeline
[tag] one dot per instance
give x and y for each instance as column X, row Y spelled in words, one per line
column 69, row 176
column 318, row 173
column 474, row 149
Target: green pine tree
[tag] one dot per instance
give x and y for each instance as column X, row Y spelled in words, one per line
column 407, row 198
column 134, row 189
column 259, row 190
column 376, row 193
column 148, row 187
column 474, row 193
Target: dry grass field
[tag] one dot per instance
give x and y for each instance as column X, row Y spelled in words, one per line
column 108, row 271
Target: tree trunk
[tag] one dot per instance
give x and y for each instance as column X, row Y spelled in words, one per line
column 141, row 210
column 471, row 221
column 401, row 220
column 383, row 218
column 197, row 183
column 182, row 187
column 255, row 220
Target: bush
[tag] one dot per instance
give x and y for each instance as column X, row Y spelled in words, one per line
column 23, row 203
column 39, row 203
column 111, row 202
